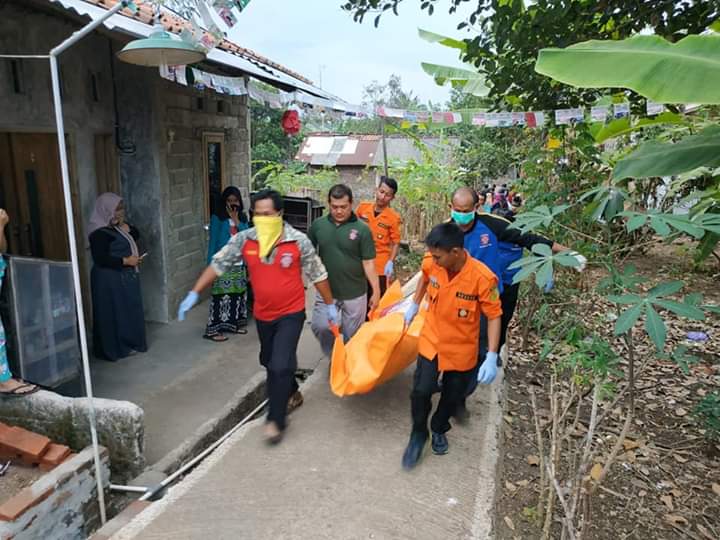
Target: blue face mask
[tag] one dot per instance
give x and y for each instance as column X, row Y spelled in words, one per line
column 462, row 218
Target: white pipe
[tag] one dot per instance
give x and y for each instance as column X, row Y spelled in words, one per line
column 57, row 100
column 133, row 489
column 170, row 479
column 44, row 56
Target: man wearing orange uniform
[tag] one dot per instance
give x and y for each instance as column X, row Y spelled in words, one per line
column 384, row 223
column 459, row 290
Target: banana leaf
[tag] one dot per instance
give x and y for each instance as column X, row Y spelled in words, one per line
column 666, row 159
column 623, row 126
column 466, row 80
column 432, row 37
column 684, row 72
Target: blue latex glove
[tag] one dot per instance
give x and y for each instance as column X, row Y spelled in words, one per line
column 411, row 312
column 187, row 304
column 389, row 269
column 332, row 315
column 488, row 370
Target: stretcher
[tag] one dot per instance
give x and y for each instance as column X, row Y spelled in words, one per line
column 381, row 348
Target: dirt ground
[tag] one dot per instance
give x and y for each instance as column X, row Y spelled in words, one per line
column 665, row 483
column 16, row 478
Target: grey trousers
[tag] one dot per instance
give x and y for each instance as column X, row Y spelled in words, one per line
column 352, row 314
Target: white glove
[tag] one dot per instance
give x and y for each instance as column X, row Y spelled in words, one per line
column 580, row 259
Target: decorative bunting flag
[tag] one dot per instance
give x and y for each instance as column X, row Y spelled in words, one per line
column 180, row 74
column 478, row 119
column 227, row 16
column 504, row 119
column 199, row 79
column 553, row 143
column 652, row 108
column 518, row 119
column 423, row 117
column 438, row 117
column 241, row 4
column 534, row 119
column 165, row 72
column 452, row 118
column 569, row 116
column 388, row 112
column 599, row 113
column 492, row 120
column 620, row 110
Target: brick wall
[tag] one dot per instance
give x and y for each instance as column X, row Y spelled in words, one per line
column 183, row 126
column 60, row 504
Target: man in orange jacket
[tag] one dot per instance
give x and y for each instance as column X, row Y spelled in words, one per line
column 384, row 223
column 459, row 289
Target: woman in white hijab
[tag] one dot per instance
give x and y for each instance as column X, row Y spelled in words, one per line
column 118, row 317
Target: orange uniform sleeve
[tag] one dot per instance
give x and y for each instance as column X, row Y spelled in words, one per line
column 395, row 234
column 427, row 264
column 489, row 297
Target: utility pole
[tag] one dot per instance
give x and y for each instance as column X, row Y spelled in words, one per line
column 321, row 67
column 384, row 145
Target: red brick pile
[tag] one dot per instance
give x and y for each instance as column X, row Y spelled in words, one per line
column 31, row 449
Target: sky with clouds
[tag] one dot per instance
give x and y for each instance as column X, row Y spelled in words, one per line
column 311, row 36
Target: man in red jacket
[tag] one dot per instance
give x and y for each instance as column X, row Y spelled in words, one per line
column 276, row 256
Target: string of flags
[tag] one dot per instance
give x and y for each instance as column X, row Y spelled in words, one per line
column 517, row 118
column 237, row 86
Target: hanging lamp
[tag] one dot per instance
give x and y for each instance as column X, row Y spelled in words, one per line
column 160, row 48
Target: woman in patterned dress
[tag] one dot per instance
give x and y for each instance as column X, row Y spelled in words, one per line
column 228, row 306
column 8, row 385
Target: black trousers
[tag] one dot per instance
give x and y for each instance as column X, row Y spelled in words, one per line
column 452, row 393
column 278, row 355
column 508, row 299
column 383, row 287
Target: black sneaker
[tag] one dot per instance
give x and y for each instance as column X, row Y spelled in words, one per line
column 439, row 444
column 414, row 450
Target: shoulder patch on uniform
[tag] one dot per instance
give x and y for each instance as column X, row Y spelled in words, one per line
column 494, row 294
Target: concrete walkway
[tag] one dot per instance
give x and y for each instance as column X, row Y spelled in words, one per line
column 184, row 381
column 337, row 475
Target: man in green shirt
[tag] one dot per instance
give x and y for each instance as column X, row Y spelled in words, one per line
column 346, row 247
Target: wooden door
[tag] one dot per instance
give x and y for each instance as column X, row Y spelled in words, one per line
column 31, row 170
column 8, row 197
column 107, row 167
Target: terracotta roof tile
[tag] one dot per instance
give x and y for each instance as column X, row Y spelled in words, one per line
column 175, row 24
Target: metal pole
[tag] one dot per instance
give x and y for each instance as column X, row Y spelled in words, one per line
column 25, row 56
column 76, row 279
column 131, row 489
column 384, row 145
column 57, row 100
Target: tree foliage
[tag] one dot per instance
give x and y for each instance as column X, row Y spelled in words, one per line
column 268, row 142
column 505, row 37
column 390, row 94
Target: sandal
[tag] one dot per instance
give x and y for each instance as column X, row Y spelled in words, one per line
column 16, row 392
column 242, row 330
column 217, row 338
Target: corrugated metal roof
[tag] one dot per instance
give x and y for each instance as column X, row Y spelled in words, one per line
column 226, row 53
column 365, row 150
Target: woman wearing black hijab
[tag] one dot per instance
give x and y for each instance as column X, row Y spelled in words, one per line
column 228, row 306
